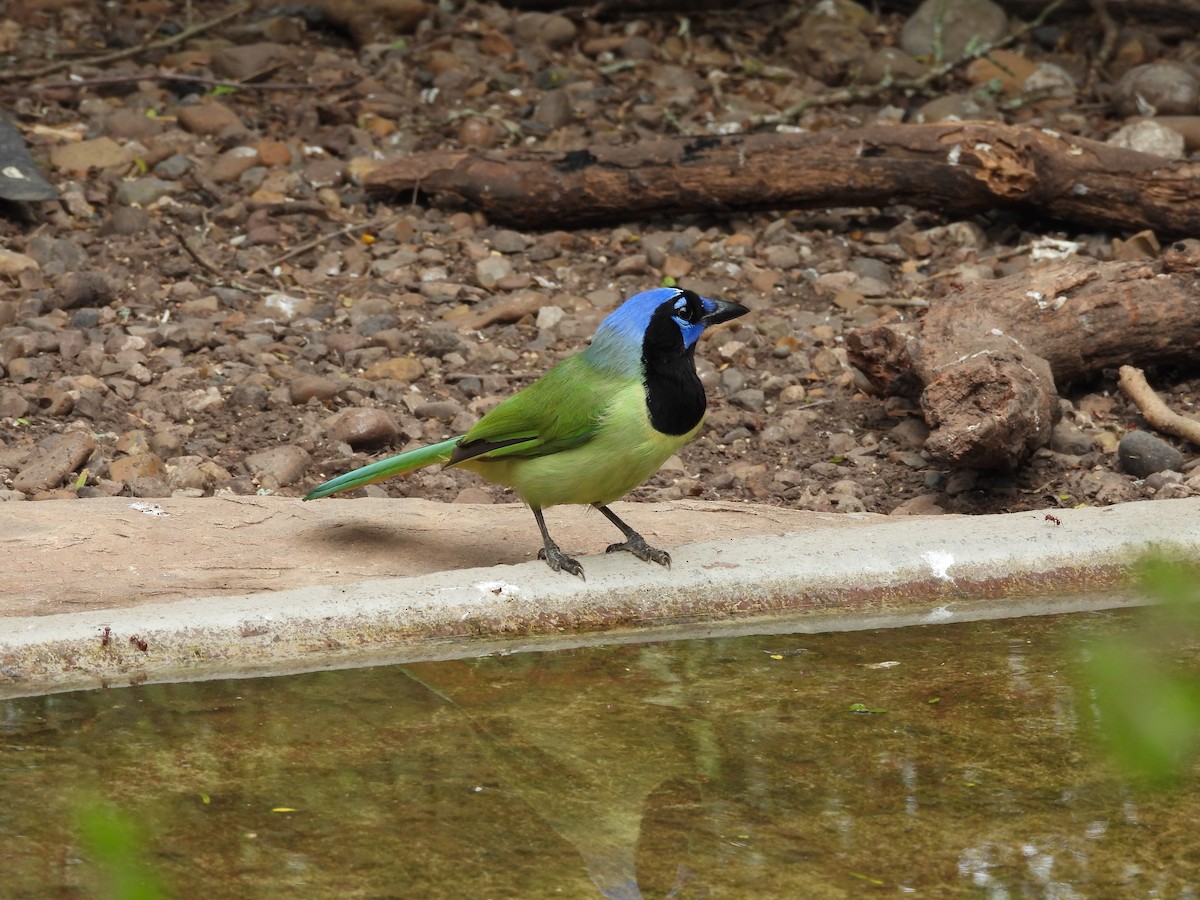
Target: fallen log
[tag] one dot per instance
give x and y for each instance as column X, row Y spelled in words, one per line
column 984, row 362
column 955, row 168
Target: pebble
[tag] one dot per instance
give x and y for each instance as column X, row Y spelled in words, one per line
column 126, row 220
column 278, row 466
column 1149, row 136
column 490, row 270
column 84, row 289
column 137, row 465
column 232, row 164
column 303, row 388
column 920, row 505
column 100, row 153
column 148, row 487
column 144, row 191
column 13, row 263
column 1142, row 454
column 953, row 24
column 208, row 118
column 910, row 433
column 240, row 62
column 1159, row 88
column 751, row 399
column 54, row 461
column 364, row 428
column 1066, row 437
column 443, row 410
column 397, row 368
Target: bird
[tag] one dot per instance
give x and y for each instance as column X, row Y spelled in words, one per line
column 594, row 427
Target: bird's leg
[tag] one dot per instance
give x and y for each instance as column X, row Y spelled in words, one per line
column 634, row 542
column 556, row 559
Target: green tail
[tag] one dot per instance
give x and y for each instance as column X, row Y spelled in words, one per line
column 385, row 468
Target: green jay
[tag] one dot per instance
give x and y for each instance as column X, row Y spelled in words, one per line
column 594, row 427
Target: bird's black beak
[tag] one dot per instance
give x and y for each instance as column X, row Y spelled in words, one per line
column 724, row 312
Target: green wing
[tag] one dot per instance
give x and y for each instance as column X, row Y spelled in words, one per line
column 560, row 410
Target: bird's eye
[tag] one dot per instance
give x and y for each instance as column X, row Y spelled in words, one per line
column 688, row 307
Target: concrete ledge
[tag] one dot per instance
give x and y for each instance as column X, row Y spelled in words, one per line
column 229, row 587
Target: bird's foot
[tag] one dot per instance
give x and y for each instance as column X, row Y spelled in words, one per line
column 560, row 562
column 638, row 547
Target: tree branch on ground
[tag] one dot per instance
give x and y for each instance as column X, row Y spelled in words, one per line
column 1160, row 416
column 955, row 168
column 985, row 362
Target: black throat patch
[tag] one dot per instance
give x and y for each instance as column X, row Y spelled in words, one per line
column 674, row 395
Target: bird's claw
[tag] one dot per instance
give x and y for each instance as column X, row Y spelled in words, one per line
column 560, row 562
column 638, row 547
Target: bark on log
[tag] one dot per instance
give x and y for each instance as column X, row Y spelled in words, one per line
column 958, row 168
column 984, row 362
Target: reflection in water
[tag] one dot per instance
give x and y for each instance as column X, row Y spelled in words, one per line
column 773, row 766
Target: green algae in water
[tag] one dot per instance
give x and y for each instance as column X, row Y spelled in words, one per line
column 960, row 760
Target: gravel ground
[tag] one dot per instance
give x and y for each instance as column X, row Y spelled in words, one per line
column 214, row 304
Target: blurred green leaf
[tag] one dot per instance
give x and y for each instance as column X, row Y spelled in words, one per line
column 1149, row 709
column 113, row 841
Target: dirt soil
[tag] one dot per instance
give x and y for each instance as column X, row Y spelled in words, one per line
column 214, row 303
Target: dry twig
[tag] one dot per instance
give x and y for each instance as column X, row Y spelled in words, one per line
column 1160, row 416
column 106, row 80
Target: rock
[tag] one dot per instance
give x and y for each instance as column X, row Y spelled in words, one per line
column 829, row 40
column 910, row 433
column 1142, row 454
column 1069, row 438
column 278, row 466
column 81, row 157
column 1008, row 68
column 232, row 164
column 138, row 465
column 240, row 62
column 128, row 123
column 1188, row 126
column 1149, row 136
column 489, row 271
column 961, row 22
column 303, row 388
column 84, row 289
column 285, row 307
column 56, row 255
column 1107, row 487
column 364, row 428
column 549, row 317
column 920, row 505
column 1050, row 80
column 126, row 220
column 890, row 61
column 961, row 481
column 54, row 461
column 148, row 487
column 550, row 29
column 554, row 110
column 1160, row 88
column 956, row 108
column 474, row 494
column 508, row 241
column 398, row 368
column 248, row 395
column 13, row 404
column 144, row 191
column 443, row 410
column 751, row 399
column 13, row 263
column 208, row 118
